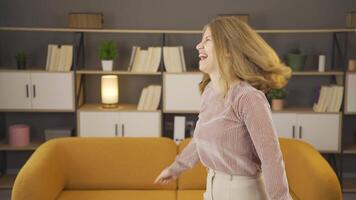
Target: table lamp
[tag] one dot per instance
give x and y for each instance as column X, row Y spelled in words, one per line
column 109, row 91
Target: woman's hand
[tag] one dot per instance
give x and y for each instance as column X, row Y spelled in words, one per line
column 165, row 177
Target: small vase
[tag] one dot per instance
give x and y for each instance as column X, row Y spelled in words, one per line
column 21, row 64
column 277, row 104
column 107, row 65
column 296, row 61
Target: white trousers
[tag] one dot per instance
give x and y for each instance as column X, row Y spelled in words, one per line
column 222, row 186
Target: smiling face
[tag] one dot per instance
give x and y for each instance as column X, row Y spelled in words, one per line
column 208, row 62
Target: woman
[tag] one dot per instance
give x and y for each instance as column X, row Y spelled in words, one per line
column 235, row 137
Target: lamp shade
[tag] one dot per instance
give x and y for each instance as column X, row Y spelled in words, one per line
column 109, row 89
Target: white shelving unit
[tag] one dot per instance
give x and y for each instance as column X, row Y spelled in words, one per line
column 178, row 97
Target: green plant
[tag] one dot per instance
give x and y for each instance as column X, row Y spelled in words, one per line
column 108, row 50
column 277, row 93
column 21, row 60
column 21, row 57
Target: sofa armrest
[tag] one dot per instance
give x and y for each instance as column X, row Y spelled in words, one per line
column 309, row 175
column 43, row 176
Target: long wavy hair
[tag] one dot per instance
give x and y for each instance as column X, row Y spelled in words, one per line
column 242, row 53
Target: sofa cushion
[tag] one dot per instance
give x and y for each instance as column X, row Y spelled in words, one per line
column 190, row 194
column 117, row 195
column 116, row 163
column 194, row 179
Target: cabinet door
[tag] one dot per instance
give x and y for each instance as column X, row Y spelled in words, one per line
column 98, row 124
column 15, row 90
column 140, row 124
column 52, row 91
column 285, row 124
column 320, row 130
column 181, row 92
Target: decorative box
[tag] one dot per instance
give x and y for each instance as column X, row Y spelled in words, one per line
column 86, row 20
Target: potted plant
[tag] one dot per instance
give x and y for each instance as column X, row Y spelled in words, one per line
column 21, row 60
column 107, row 54
column 277, row 96
column 295, row 59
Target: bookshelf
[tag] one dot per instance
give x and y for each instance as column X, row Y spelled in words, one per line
column 82, row 72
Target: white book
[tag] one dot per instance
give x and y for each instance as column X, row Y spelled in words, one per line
column 166, row 59
column 155, row 59
column 49, row 56
column 156, row 97
column 340, row 93
column 333, row 99
column 61, row 58
column 132, row 58
column 317, row 107
column 136, row 60
column 172, row 59
column 149, row 98
column 65, row 58
column 176, row 63
column 182, row 58
column 55, row 58
column 327, row 101
column 142, row 62
column 179, row 129
column 69, row 57
column 143, row 98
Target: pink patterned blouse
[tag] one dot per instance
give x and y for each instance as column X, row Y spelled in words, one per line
column 236, row 135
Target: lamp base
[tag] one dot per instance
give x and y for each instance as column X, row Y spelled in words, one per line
column 109, row 106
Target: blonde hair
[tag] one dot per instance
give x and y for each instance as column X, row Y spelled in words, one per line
column 243, row 53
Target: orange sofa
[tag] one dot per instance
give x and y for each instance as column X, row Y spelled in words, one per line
column 125, row 168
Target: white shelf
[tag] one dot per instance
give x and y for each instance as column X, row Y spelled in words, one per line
column 100, row 72
column 316, row 73
column 120, row 108
column 4, row 146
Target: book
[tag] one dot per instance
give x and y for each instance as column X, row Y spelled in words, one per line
column 142, row 99
column 59, row 57
column 133, row 53
column 154, row 59
column 330, row 99
column 181, row 53
column 339, row 98
column 145, row 60
column 150, row 98
column 173, row 58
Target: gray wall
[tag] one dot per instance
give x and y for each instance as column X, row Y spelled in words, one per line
column 168, row 14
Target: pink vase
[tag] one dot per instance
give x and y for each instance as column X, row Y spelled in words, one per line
column 19, row 135
column 277, row 104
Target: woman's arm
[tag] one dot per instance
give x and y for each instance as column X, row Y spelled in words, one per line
column 255, row 111
column 185, row 160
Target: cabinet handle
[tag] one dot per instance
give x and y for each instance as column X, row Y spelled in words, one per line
column 293, row 131
column 300, row 132
column 115, row 129
column 27, row 91
column 122, row 130
column 34, row 91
